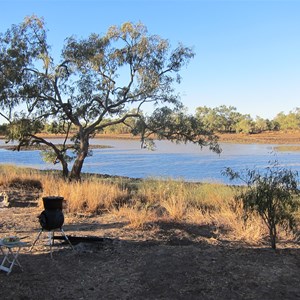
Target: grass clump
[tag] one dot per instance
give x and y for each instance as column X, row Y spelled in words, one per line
column 86, row 196
column 15, row 177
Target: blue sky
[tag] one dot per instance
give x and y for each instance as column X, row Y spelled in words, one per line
column 247, row 52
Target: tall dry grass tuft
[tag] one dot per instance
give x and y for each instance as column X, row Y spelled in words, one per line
column 86, row 196
column 210, row 197
column 92, row 195
column 137, row 217
column 215, row 204
column 176, row 206
column 171, row 195
column 232, row 222
column 12, row 176
column 198, row 216
column 181, row 199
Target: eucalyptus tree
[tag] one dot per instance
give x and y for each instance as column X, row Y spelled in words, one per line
column 208, row 116
column 261, row 124
column 221, row 119
column 290, row 121
column 97, row 82
column 245, row 125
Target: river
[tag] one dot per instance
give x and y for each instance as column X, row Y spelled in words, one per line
column 178, row 161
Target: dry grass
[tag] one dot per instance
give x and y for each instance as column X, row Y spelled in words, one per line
column 232, row 221
column 136, row 217
column 88, row 196
column 11, row 177
column 145, row 201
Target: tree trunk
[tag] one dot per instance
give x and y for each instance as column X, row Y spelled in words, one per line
column 273, row 237
column 82, row 154
column 77, row 167
column 64, row 164
column 65, row 169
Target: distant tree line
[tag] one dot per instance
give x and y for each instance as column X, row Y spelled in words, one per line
column 221, row 119
column 226, row 119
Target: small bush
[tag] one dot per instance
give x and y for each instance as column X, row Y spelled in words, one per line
column 272, row 194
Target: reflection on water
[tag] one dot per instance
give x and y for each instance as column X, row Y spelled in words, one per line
column 187, row 162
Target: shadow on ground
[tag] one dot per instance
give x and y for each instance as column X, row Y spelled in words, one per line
column 126, row 269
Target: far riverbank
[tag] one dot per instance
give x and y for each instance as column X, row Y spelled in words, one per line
column 269, row 137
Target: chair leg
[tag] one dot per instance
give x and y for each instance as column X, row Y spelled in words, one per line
column 38, row 236
column 66, row 237
column 51, row 241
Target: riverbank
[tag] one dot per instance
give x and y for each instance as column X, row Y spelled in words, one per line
column 269, row 137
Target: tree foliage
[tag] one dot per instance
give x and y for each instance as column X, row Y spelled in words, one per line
column 98, row 82
column 245, row 125
column 272, row 193
column 221, row 119
column 226, row 119
column 288, row 121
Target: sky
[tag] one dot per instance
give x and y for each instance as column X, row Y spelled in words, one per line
column 247, row 51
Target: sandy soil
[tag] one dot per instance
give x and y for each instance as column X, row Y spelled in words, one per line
column 165, row 261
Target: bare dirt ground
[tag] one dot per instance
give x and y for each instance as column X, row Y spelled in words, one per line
column 165, row 261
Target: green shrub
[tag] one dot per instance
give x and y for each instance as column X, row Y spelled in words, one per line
column 273, row 194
